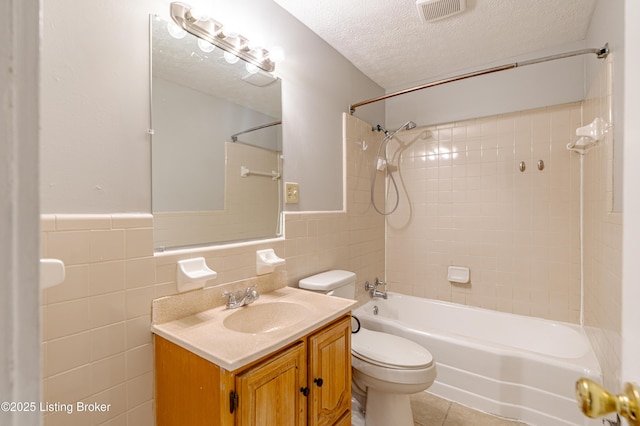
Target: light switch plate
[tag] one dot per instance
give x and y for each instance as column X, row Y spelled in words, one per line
column 291, row 191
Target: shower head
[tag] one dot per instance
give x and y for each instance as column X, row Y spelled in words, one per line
column 389, row 135
column 409, row 125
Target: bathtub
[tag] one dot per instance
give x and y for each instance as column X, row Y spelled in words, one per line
column 510, row 365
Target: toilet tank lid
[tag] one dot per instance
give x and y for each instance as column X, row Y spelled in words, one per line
column 328, row 280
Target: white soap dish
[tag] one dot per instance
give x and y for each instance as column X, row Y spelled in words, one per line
column 458, row 274
column 266, row 261
column 193, row 274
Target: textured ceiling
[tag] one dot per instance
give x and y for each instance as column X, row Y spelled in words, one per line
column 388, row 42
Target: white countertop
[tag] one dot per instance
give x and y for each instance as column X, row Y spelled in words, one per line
column 205, row 335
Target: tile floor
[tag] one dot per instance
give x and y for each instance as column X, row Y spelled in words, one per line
column 430, row 410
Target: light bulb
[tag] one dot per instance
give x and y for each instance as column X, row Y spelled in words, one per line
column 229, row 32
column 198, row 14
column 230, row 58
column 251, row 69
column 205, row 46
column 257, row 40
column 276, row 54
column 176, row 31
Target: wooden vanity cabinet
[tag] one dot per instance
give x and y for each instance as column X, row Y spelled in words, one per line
column 306, row 383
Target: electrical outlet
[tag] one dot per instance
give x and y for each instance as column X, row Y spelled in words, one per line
column 291, row 193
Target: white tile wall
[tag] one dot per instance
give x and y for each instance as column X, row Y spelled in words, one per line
column 96, row 340
column 469, row 205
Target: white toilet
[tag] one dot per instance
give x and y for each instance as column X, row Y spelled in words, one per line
column 387, row 368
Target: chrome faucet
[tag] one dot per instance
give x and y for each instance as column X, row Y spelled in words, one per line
column 373, row 288
column 241, row 298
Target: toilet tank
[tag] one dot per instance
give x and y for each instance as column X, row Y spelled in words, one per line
column 337, row 283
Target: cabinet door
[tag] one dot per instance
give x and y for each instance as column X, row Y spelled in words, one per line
column 330, row 373
column 270, row 393
column 189, row 390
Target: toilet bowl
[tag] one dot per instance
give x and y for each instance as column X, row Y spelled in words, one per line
column 386, row 369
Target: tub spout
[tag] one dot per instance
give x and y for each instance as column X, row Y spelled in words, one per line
column 373, row 288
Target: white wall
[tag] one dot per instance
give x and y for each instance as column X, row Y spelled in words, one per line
column 95, row 103
column 95, row 107
column 607, row 26
column 534, row 86
column 631, row 238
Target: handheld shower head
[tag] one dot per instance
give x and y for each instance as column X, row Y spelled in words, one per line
column 382, row 161
column 406, row 126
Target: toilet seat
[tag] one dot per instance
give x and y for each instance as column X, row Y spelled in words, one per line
column 389, row 351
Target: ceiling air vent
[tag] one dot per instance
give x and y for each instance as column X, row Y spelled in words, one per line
column 434, row 10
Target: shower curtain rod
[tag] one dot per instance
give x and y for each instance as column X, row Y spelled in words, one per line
column 602, row 52
column 234, row 137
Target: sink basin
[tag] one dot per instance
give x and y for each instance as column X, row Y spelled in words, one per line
column 265, row 317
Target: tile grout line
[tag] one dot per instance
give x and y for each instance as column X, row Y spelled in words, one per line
column 444, row 421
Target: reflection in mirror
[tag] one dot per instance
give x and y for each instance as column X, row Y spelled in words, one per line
column 216, row 144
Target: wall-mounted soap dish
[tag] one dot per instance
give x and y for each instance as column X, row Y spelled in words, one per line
column 266, row 261
column 193, row 274
column 458, row 274
column 589, row 136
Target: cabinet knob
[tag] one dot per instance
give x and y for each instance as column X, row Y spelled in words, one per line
column 305, row 391
column 318, row 382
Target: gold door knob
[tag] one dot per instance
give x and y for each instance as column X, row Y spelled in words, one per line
column 595, row 402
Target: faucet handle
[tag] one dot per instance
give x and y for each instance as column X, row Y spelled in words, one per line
column 252, row 292
column 383, row 283
column 231, row 297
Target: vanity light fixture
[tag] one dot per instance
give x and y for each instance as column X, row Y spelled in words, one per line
column 213, row 32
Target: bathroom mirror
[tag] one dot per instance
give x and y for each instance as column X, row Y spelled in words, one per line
column 216, row 144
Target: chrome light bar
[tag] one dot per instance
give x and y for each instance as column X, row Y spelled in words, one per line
column 212, row 31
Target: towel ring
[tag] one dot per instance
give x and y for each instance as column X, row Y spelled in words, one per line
column 358, row 322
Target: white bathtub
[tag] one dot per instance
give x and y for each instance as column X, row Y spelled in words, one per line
column 510, row 365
